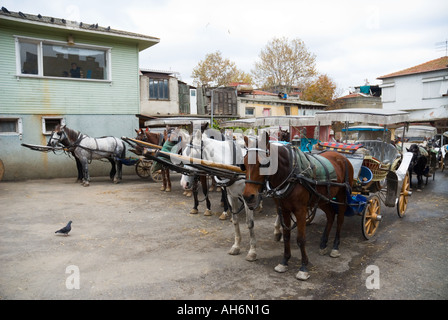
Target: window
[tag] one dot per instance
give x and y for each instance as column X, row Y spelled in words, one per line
column 49, row 123
column 266, row 112
column 434, row 87
column 10, row 126
column 57, row 59
column 388, row 92
column 250, row 111
column 158, row 89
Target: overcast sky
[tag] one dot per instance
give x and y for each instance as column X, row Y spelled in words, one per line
column 352, row 40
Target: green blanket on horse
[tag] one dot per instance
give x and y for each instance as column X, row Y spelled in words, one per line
column 314, row 166
column 167, row 146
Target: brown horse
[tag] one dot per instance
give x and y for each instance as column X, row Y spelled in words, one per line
column 157, row 139
column 295, row 189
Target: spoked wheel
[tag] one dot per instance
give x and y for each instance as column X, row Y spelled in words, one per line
column 311, row 213
column 156, row 175
column 143, row 168
column 404, row 196
column 371, row 217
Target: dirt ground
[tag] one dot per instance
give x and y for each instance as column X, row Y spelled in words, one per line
column 132, row 241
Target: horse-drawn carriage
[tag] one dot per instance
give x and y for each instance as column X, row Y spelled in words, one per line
column 381, row 171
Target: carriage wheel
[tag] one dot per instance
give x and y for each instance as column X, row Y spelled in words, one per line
column 143, row 168
column 156, row 175
column 311, row 213
column 404, row 196
column 371, row 217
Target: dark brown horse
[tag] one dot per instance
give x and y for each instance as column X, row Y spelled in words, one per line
column 294, row 189
column 157, row 139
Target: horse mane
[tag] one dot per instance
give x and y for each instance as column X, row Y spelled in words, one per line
column 72, row 135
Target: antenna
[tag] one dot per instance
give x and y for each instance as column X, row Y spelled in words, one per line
column 443, row 45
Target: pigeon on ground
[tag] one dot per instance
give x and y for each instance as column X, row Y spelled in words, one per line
column 66, row 229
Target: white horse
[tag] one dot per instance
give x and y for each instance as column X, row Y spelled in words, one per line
column 85, row 149
column 228, row 152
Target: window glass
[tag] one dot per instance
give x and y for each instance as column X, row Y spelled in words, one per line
column 28, row 58
column 158, row 89
column 8, row 125
column 73, row 62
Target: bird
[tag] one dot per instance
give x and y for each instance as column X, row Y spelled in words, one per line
column 22, row 14
column 66, row 229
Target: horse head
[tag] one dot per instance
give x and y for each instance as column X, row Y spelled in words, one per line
column 256, row 158
column 58, row 136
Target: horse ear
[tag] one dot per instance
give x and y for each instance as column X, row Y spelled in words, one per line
column 266, row 139
column 246, row 140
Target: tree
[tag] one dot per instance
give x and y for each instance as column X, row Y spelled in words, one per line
column 322, row 90
column 284, row 64
column 216, row 71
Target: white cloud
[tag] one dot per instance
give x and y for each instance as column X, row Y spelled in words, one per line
column 352, row 40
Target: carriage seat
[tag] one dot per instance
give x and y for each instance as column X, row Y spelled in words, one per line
column 375, row 148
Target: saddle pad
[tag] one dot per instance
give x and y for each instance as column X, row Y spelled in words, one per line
column 339, row 147
column 315, row 167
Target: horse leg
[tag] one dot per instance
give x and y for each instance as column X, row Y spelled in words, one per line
column 225, row 203
column 85, row 171
column 252, row 254
column 194, row 188
column 168, row 181
column 162, row 171
column 330, row 219
column 419, row 181
column 235, row 249
column 113, row 171
column 301, row 242
column 277, row 229
column 79, row 168
column 208, row 211
column 119, row 171
column 283, row 265
column 341, row 198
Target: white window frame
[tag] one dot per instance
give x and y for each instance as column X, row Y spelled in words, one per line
column 434, row 87
column 391, row 96
column 44, row 120
column 40, row 64
column 19, row 126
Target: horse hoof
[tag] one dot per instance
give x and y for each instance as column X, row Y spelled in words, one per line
column 168, row 189
column 194, row 211
column 335, row 253
column 162, row 189
column 234, row 251
column 189, row 194
column 280, row 268
column 302, row 275
column 208, row 213
column 323, row 251
column 251, row 256
column 223, row 216
column 277, row 236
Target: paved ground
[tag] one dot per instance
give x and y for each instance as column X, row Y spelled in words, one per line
column 132, row 241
